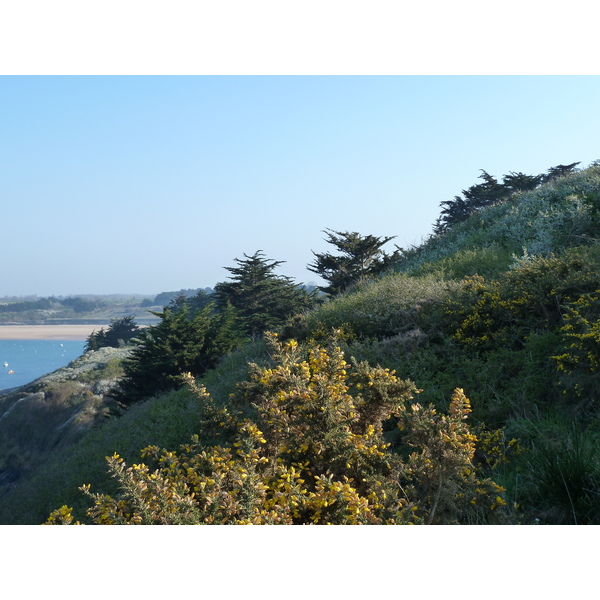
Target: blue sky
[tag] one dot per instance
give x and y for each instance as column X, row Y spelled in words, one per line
column 146, row 184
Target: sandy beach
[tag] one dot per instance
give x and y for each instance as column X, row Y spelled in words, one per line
column 47, row 332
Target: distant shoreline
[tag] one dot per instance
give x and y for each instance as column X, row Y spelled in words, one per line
column 47, row 332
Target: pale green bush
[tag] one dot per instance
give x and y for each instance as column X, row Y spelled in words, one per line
column 555, row 216
column 383, row 308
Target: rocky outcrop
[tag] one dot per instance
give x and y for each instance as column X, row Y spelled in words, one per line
column 55, row 410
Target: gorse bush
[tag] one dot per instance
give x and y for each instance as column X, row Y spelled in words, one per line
column 313, row 451
column 579, row 363
column 531, row 297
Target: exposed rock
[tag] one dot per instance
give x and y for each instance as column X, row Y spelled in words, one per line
column 55, row 410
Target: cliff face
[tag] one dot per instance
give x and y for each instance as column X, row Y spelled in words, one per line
column 54, row 411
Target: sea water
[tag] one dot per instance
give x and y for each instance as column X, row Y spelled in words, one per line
column 22, row 361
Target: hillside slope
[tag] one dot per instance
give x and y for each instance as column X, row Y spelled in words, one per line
column 54, row 411
column 505, row 305
column 560, row 214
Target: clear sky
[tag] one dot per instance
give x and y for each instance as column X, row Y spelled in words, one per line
column 143, row 184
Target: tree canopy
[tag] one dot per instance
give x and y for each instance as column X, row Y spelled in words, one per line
column 360, row 256
column 262, row 300
column 491, row 191
column 119, row 332
column 183, row 342
column 195, row 331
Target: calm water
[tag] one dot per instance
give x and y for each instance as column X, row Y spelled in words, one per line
column 30, row 359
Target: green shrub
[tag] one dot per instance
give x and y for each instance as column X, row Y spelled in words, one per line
column 527, row 299
column 182, row 342
column 119, row 333
column 387, row 307
column 488, row 262
column 579, row 361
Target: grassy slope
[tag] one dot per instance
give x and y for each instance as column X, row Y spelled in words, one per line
column 408, row 321
column 496, row 336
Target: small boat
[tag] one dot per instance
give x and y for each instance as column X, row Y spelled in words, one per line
column 6, row 364
column 11, row 372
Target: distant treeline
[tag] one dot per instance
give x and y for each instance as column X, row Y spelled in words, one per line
column 202, row 296
column 84, row 304
column 165, row 298
column 42, row 304
column 78, row 304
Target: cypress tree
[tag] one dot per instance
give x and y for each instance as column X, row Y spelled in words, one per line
column 361, row 256
column 261, row 299
column 180, row 343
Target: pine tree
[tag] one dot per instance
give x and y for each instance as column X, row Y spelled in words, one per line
column 261, row 299
column 182, row 342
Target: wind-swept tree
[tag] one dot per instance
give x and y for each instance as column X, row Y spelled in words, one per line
column 559, row 171
column 120, row 332
column 360, row 257
column 489, row 192
column 519, row 182
column 486, row 193
column 453, row 212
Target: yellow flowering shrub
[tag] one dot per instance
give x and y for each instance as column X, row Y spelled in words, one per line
column 495, row 449
column 439, row 474
column 305, row 444
column 579, row 364
column 528, row 298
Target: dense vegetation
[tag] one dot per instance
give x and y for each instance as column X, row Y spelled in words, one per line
column 359, row 257
column 119, row 333
column 43, row 308
column 459, row 386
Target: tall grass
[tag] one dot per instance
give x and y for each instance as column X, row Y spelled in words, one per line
column 563, row 470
